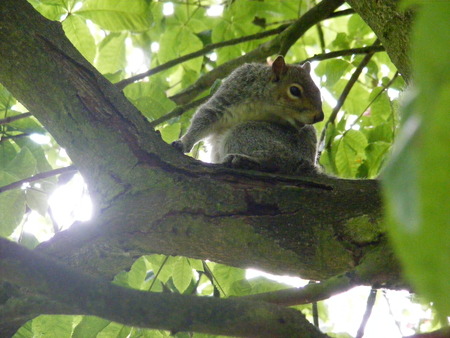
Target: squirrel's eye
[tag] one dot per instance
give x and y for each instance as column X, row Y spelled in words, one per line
column 295, row 91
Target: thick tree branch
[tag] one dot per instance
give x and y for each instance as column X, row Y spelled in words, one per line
column 146, row 309
column 391, row 25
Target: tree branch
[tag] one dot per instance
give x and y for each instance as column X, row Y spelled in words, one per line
column 345, row 93
column 122, row 84
column 38, row 177
column 367, row 313
column 147, row 309
column 14, row 118
column 345, row 52
column 180, row 110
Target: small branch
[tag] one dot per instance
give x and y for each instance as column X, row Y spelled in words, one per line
column 372, row 101
column 310, row 18
column 369, row 307
column 122, row 84
column 37, row 177
column 165, row 311
column 345, row 92
column 344, row 12
column 14, row 118
column 178, row 111
column 345, row 52
column 313, row 292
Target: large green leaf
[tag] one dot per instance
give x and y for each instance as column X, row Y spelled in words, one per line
column 112, row 53
column 350, row 152
column 416, row 182
column 117, row 15
column 182, row 274
column 23, row 165
column 12, row 209
column 89, row 327
column 79, row 34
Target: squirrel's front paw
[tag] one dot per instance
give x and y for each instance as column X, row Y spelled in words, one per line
column 178, row 145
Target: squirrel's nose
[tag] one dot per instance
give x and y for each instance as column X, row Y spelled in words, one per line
column 319, row 117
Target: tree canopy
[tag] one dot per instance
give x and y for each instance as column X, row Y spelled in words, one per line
column 101, row 89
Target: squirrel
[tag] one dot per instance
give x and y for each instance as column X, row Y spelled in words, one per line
column 260, row 118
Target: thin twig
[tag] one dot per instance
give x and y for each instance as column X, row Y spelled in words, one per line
column 345, row 93
column 391, row 81
column 122, row 84
column 344, row 52
column 38, row 177
column 369, row 307
column 158, row 272
column 14, row 118
column 179, row 111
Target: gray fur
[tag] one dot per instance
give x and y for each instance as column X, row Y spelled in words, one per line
column 250, row 123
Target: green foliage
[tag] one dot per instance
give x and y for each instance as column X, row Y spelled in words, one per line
column 416, row 182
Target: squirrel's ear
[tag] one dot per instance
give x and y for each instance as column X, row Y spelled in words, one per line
column 307, row 66
column 279, row 68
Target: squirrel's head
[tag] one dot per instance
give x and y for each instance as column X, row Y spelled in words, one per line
column 296, row 93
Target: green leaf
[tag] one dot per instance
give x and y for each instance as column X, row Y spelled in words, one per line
column 114, row 330
column 179, row 42
column 333, row 69
column 182, row 274
column 29, row 240
column 416, row 184
column 53, row 326
column 380, row 110
column 350, row 153
column 150, row 98
column 161, row 265
column 111, row 53
column 357, row 26
column 23, row 165
column 117, row 15
column 90, row 326
column 227, row 275
column 80, row 36
column 6, row 100
column 376, row 153
column 382, row 132
column 171, row 132
column 37, row 200
column 8, row 152
column 25, row 125
column 12, row 209
column 196, row 264
column 240, row 287
column 51, row 9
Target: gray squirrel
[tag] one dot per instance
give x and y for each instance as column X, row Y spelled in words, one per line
column 260, row 118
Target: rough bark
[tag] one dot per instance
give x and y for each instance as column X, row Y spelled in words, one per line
column 391, row 25
column 150, row 199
